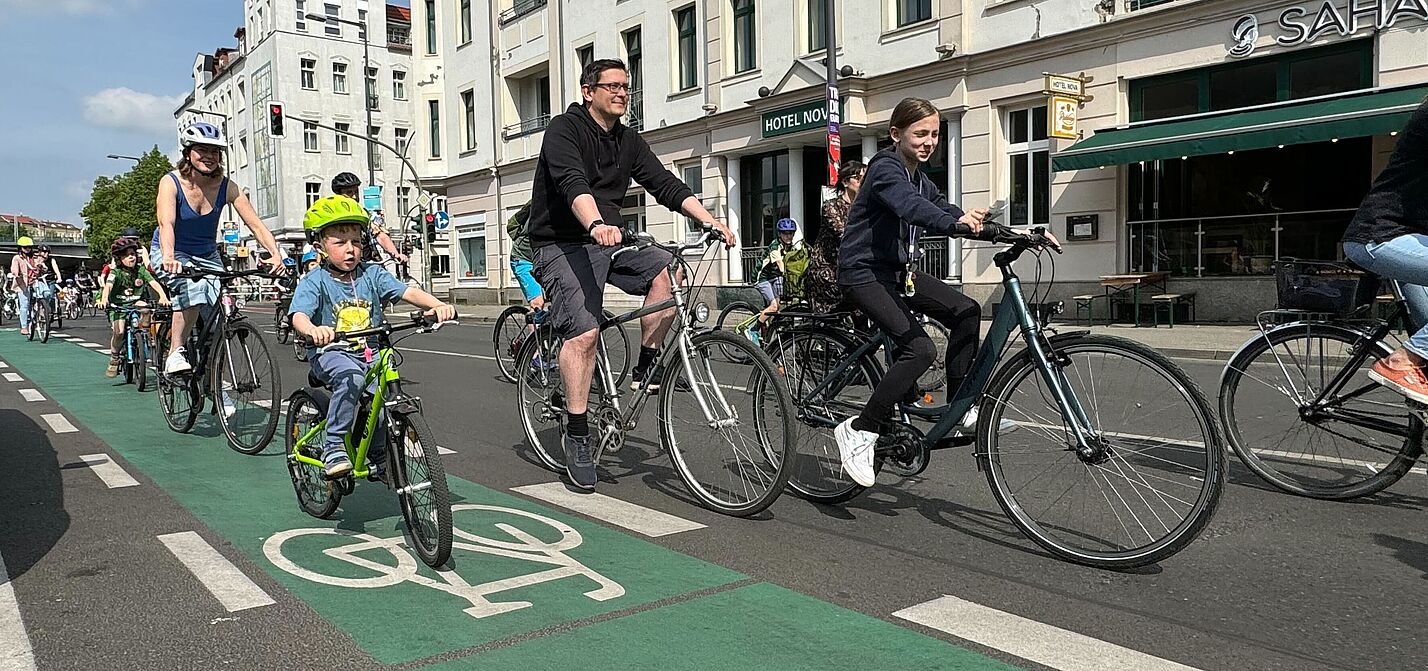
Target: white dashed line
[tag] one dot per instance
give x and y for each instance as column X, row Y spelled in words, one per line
column 442, row 450
column 636, row 518
column 58, row 423
column 227, row 584
column 4, row 365
column 32, row 395
column 466, row 356
column 113, row 475
column 13, row 377
column 15, row 651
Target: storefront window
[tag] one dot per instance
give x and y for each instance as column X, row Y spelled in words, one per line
column 765, row 197
column 1028, row 168
column 1253, row 84
column 1326, row 74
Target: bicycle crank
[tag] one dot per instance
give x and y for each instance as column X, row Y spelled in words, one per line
column 612, row 433
column 907, row 454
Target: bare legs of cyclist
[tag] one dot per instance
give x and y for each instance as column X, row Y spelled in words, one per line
column 178, row 331
column 577, row 355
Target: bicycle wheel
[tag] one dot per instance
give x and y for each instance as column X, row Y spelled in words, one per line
column 742, row 465
column 280, row 326
column 247, row 375
column 807, row 356
column 179, row 397
column 42, row 313
column 315, row 493
column 1153, row 478
column 511, row 327
column 540, row 392
column 420, row 481
column 730, row 319
column 141, row 361
column 129, row 348
column 299, row 349
column 935, row 377
column 617, row 350
column 1268, row 409
column 57, row 313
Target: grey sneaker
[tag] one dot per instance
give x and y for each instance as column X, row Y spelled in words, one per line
column 580, row 462
column 338, row 465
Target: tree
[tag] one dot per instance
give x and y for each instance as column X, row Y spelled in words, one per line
column 124, row 201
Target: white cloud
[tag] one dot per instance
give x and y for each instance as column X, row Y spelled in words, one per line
column 66, row 7
column 127, row 109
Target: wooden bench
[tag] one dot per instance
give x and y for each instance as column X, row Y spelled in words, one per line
column 1087, row 302
column 1170, row 302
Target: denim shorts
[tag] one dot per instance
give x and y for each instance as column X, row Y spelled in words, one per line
column 189, row 293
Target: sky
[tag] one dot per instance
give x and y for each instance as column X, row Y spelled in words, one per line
column 81, row 79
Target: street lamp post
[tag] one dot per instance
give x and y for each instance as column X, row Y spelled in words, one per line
column 368, row 95
column 135, row 159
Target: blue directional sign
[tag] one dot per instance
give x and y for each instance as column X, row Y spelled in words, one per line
column 443, row 221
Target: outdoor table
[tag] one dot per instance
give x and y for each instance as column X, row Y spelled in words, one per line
column 1119, row 285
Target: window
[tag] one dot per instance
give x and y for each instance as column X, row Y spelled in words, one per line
column 1028, row 167
column 433, row 113
column 362, row 19
column 309, row 74
column 817, row 25
column 401, row 140
column 309, row 137
column 372, row 89
column 465, row 21
column 1233, row 88
column 912, row 11
column 374, row 150
column 468, row 118
column 399, row 85
column 765, row 200
column 440, row 265
column 312, row 191
column 332, row 27
column 301, row 16
column 688, row 47
column 431, row 27
column 693, row 177
column 472, row 250
column 341, row 140
column 632, row 212
column 404, row 204
column 339, row 78
column 746, row 55
column 585, row 55
column 635, row 61
column 242, row 151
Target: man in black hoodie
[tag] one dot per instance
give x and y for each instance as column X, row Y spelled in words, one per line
column 586, row 163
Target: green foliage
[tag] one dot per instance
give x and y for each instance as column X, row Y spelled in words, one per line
column 123, row 201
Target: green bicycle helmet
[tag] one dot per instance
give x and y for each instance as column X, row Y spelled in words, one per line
column 332, row 210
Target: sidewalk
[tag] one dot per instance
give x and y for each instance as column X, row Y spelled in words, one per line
column 1191, row 341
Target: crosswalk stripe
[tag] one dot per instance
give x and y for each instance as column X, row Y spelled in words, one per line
column 58, row 423
column 32, row 395
column 90, row 344
column 4, row 365
column 442, row 450
column 15, row 651
column 113, row 475
column 636, row 518
column 1030, row 640
column 13, row 377
column 222, row 579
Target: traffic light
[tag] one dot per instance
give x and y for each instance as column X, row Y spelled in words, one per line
column 275, row 120
column 431, row 228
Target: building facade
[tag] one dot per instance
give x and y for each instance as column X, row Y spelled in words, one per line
column 315, row 68
column 1216, row 136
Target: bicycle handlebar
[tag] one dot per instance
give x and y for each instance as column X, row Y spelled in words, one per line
column 418, row 321
column 636, row 240
column 196, row 273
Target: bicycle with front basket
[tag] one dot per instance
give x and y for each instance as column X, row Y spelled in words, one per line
column 741, row 465
column 232, row 370
column 413, row 469
column 1116, row 462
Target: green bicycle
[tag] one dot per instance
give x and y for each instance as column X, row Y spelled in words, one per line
column 414, row 469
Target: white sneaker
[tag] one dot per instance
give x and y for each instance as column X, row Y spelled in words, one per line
column 228, row 408
column 177, row 362
column 856, row 449
column 969, row 425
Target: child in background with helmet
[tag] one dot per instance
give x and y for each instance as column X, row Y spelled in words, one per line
column 24, row 269
column 771, row 268
column 345, row 294
column 125, row 288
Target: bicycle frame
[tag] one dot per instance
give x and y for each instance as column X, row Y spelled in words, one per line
column 384, row 373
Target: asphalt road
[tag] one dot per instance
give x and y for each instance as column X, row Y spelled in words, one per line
column 1275, row 582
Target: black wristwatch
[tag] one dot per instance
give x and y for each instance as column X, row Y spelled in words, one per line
column 598, row 222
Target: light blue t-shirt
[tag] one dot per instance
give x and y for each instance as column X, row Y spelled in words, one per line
column 347, row 305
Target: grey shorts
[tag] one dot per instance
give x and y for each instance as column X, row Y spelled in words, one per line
column 574, row 276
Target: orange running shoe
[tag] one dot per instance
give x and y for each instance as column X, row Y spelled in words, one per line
column 1407, row 381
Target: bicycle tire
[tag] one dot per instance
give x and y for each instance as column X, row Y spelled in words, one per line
column 540, row 394
column 617, row 350
column 129, row 372
column 57, row 314
column 935, row 377
column 806, row 354
column 1058, row 537
column 730, row 317
column 179, row 398
column 299, row 349
column 417, row 447
column 255, row 358
column 315, row 494
column 510, row 328
column 141, row 362
column 1346, row 476
column 44, row 317
column 280, row 326
column 34, row 325
column 775, row 442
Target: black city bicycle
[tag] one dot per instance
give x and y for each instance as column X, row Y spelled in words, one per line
column 42, row 312
column 232, row 369
column 1116, row 460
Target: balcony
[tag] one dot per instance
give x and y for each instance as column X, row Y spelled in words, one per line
column 399, row 38
column 635, row 110
column 532, row 125
column 519, row 9
column 1135, row 5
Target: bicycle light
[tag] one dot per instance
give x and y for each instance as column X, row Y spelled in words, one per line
column 701, row 312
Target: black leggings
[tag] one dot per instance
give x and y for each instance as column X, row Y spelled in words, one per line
column 913, row 351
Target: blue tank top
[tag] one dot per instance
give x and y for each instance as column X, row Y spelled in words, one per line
column 195, row 234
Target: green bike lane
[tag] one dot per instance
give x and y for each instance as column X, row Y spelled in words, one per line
column 528, row 586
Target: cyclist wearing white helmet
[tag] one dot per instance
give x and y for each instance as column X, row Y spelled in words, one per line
column 189, row 202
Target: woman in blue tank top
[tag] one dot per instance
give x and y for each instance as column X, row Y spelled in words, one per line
column 188, row 205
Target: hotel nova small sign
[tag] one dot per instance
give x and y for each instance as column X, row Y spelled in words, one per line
column 1307, row 23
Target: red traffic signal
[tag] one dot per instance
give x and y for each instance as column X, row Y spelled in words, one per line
column 275, row 120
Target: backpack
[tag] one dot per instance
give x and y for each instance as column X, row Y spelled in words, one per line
column 795, row 265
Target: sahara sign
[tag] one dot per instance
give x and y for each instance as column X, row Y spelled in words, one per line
column 1300, row 25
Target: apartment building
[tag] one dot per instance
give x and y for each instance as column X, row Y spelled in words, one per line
column 1215, row 136
column 315, row 67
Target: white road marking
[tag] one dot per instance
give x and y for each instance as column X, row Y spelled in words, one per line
column 58, row 423
column 636, row 518
column 15, row 651
column 93, row 345
column 4, row 365
column 227, row 584
column 432, row 351
column 13, row 377
column 113, row 475
column 32, row 395
column 442, row 450
column 1029, row 639
column 1372, row 466
column 263, row 403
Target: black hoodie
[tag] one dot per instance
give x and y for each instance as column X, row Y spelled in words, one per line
column 890, row 202
column 579, row 157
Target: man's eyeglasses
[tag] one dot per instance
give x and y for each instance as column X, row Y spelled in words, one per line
column 613, row 87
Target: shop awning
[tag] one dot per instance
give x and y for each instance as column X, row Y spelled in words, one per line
column 1353, row 115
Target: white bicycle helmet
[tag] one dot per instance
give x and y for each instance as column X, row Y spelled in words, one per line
column 202, row 133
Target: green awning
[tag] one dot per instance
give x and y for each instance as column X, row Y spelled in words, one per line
column 1353, row 115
